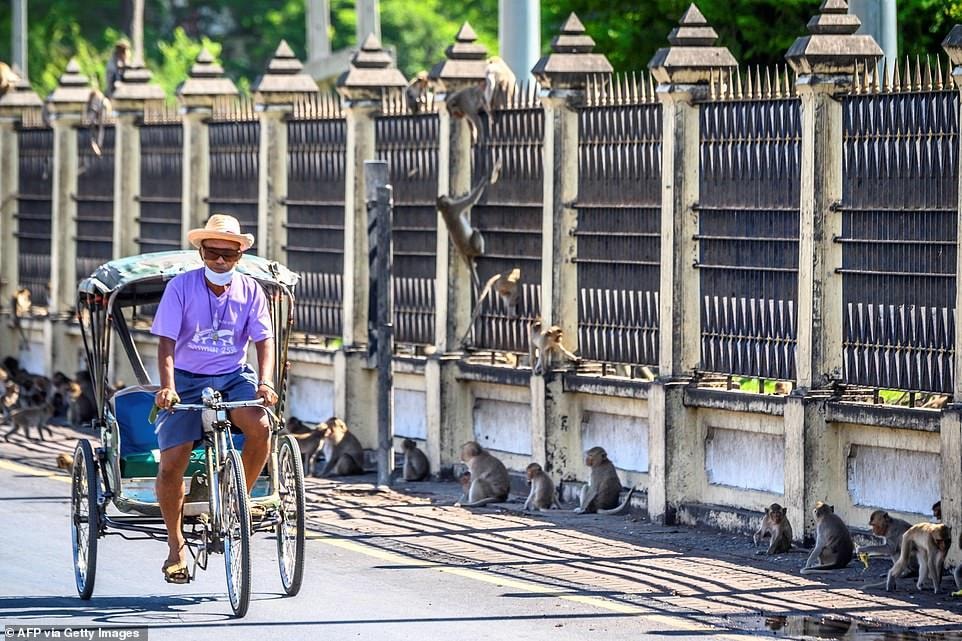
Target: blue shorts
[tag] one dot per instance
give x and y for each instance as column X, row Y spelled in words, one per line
column 176, row 428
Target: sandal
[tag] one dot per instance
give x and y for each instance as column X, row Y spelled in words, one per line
column 176, row 572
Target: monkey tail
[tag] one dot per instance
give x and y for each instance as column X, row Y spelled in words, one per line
column 827, row 567
column 485, row 501
column 620, row 508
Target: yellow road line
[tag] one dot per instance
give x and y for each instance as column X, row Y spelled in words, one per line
column 33, row 471
column 533, row 588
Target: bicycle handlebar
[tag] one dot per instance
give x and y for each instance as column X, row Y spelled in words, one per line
column 219, row 405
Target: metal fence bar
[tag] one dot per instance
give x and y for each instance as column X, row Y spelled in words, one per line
column 95, row 200
column 619, row 222
column 899, row 238
column 409, row 144
column 510, row 216
column 161, row 157
column 317, row 139
column 748, row 221
column 34, row 210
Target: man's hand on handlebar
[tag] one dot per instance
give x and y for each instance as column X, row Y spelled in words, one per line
column 165, row 397
column 267, row 393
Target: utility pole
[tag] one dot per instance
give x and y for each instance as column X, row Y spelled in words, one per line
column 137, row 31
column 322, row 63
column 519, row 33
column 18, row 36
column 379, row 196
column 879, row 20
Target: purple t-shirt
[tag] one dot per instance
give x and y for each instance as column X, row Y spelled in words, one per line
column 211, row 332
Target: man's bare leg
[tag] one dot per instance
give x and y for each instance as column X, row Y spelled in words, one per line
column 255, row 425
column 170, row 495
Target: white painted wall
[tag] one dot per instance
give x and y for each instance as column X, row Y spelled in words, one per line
column 33, row 358
column 750, row 460
column 625, row 438
column 873, row 482
column 311, row 399
column 410, row 418
column 503, row 425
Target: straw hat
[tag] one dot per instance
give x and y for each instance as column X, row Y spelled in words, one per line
column 221, row 227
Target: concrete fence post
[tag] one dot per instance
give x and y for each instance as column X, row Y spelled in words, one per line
column 275, row 93
column 449, row 402
column 362, row 88
column 65, row 106
column 951, row 424
column 825, row 62
column 563, row 75
column 130, row 98
column 13, row 104
column 205, row 83
column 683, row 72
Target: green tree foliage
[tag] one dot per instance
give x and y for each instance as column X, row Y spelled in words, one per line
column 758, row 32
column 627, row 31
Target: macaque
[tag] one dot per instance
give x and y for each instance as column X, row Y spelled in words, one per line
column 604, row 487
column 65, row 462
column 416, row 466
column 35, row 416
column 465, row 481
column 470, row 102
column 547, row 344
column 833, row 542
column 935, row 402
column 10, row 398
column 542, row 495
column 416, row 93
column 489, row 482
column 308, row 442
column 890, row 531
column 499, row 82
column 96, row 113
column 937, row 511
column 343, row 453
column 20, row 307
column 930, row 542
column 783, row 388
column 467, row 239
column 506, row 287
column 776, row 525
column 8, row 78
column 118, row 62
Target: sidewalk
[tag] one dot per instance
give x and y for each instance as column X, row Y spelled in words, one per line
column 706, row 576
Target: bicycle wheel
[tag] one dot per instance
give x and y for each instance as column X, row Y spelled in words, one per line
column 290, row 531
column 84, row 518
column 235, row 511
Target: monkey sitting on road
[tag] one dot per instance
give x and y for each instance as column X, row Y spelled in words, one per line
column 775, row 524
column 467, row 239
column 604, row 487
column 891, row 532
column 343, row 454
column 308, row 442
column 543, row 495
column 489, row 482
column 506, row 287
column 930, row 542
column 548, row 346
column 65, row 462
column 416, row 466
column 833, row 541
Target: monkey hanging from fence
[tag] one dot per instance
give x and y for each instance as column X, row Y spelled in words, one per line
column 507, row 287
column 455, row 211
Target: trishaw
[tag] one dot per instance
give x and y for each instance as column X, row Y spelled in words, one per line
column 113, row 485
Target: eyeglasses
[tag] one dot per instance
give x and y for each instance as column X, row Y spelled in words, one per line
column 212, row 253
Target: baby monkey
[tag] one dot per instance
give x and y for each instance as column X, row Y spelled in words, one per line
column 543, row 495
column 775, row 524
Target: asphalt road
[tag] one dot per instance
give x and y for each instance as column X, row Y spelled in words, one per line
column 350, row 591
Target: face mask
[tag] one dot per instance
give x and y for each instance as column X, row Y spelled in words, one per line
column 217, row 278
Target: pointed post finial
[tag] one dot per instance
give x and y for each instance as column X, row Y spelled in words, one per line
column 371, row 73
column 692, row 57
column 205, row 81
column 832, row 47
column 284, row 80
column 571, row 61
